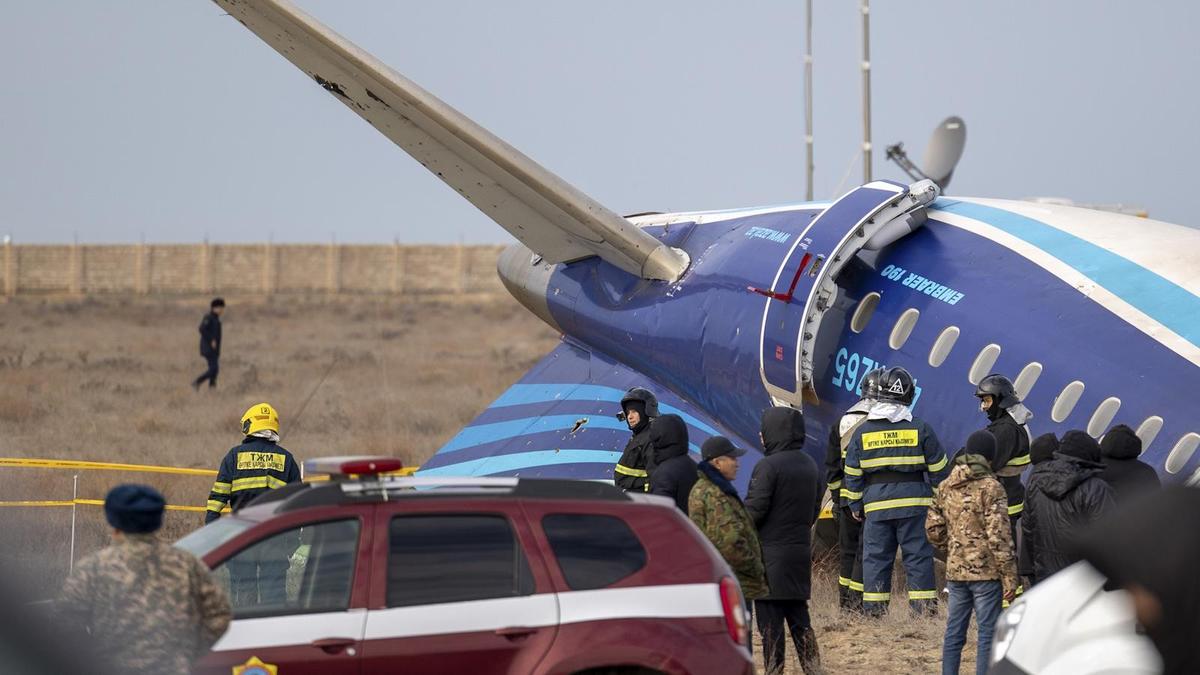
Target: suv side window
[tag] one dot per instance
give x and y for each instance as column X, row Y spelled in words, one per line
column 454, row 558
column 302, row 570
column 593, row 551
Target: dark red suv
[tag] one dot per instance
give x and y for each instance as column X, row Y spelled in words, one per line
column 470, row 575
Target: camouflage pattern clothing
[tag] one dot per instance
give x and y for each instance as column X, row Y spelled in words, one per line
column 149, row 607
column 713, row 505
column 969, row 520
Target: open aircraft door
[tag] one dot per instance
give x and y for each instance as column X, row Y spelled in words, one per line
column 869, row 217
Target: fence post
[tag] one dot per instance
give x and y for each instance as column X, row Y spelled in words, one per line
column 10, row 267
column 74, row 506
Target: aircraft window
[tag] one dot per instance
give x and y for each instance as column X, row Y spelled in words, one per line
column 1065, row 402
column 942, row 346
column 862, row 314
column 903, row 328
column 1147, row 431
column 983, row 363
column 1027, row 378
column 1182, row 452
column 1103, row 416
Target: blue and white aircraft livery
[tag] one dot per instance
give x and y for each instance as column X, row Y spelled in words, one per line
column 1094, row 315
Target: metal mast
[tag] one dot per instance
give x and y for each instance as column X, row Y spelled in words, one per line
column 808, row 105
column 866, row 88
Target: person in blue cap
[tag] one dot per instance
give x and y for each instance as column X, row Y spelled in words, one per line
column 148, row 607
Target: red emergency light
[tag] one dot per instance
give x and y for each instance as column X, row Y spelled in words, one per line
column 357, row 466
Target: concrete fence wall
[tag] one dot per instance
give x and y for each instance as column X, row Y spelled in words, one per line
column 247, row 268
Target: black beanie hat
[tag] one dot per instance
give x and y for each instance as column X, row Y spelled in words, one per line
column 136, row 509
column 1080, row 445
column 982, row 443
column 1121, row 442
column 1042, row 448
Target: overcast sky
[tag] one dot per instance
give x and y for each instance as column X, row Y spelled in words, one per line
column 130, row 119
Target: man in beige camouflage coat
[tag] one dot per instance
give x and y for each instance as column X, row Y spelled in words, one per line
column 148, row 606
column 715, row 508
column 969, row 520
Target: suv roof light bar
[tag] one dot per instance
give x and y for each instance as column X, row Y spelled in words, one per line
column 358, row 465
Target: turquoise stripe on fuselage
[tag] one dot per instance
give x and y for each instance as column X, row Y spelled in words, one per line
column 522, row 394
column 1161, row 299
column 487, row 466
column 479, row 434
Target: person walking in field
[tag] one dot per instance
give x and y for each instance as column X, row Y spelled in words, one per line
column 259, row 464
column 969, row 521
column 210, row 343
column 141, row 605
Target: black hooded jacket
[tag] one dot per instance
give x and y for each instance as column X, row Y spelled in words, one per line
column 1063, row 497
column 1141, row 545
column 1123, row 471
column 1012, row 454
column 630, row 473
column 784, row 499
column 672, row 473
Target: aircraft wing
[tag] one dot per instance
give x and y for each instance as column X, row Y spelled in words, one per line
column 559, row 421
column 552, row 218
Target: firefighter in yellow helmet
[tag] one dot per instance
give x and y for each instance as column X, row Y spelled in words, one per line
column 257, row 465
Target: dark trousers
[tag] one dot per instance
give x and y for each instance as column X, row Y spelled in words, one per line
column 984, row 598
column 850, row 571
column 211, row 373
column 771, row 615
column 880, row 539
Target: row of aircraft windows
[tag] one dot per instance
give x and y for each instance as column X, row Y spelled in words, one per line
column 1064, row 403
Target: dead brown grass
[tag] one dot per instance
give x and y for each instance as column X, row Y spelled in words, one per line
column 109, row 380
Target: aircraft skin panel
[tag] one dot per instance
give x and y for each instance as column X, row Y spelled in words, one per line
column 559, row 421
column 540, row 209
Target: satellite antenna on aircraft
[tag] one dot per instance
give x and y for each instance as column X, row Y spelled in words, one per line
column 941, row 155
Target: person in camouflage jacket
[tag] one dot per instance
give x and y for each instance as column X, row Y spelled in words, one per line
column 969, row 520
column 715, row 508
column 142, row 605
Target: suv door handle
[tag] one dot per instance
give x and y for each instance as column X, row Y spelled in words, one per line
column 333, row 645
column 514, row 633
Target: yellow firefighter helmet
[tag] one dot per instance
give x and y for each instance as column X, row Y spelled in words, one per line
column 258, row 417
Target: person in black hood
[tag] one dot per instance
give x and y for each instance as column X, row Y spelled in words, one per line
column 1064, row 495
column 1043, row 448
column 1140, row 548
column 673, row 472
column 638, row 408
column 1123, row 471
column 784, row 499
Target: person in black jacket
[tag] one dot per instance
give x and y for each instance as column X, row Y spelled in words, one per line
column 1043, row 448
column 256, row 466
column 639, row 407
column 210, row 343
column 1150, row 550
column 1007, row 417
column 784, row 499
column 1064, row 496
column 1123, row 471
column 673, row 472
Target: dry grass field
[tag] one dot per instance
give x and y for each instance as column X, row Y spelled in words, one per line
column 108, row 379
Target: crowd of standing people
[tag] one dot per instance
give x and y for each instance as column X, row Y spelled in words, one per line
column 1006, row 511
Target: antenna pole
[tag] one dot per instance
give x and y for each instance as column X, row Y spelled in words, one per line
column 866, row 88
column 808, row 104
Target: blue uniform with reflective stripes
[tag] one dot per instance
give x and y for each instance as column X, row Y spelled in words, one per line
column 894, row 447
column 891, row 468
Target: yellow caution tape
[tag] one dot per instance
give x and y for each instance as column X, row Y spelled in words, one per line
column 101, row 466
column 89, row 502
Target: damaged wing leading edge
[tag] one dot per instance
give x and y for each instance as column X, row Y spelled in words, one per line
column 544, row 212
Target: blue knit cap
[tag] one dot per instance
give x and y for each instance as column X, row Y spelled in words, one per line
column 136, row 509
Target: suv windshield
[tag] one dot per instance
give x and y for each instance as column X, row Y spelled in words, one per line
column 206, row 539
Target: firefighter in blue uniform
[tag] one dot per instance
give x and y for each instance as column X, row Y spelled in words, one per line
column 258, row 465
column 892, row 465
